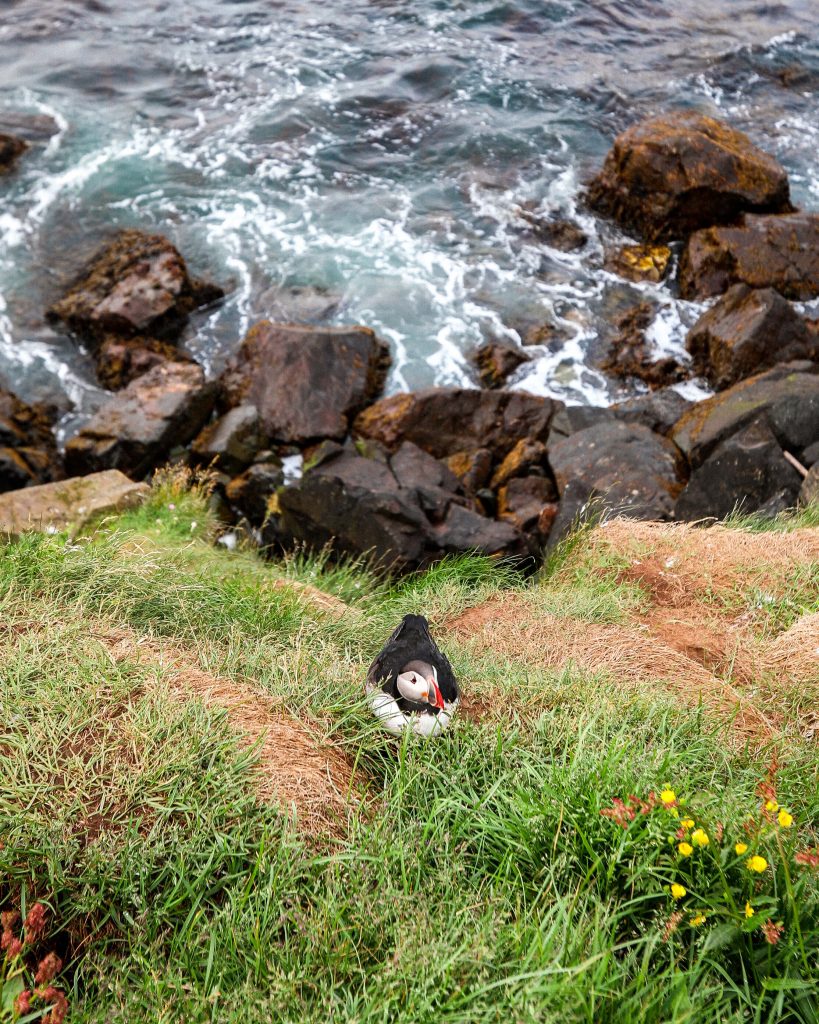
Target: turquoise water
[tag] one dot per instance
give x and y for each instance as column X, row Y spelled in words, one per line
column 368, row 162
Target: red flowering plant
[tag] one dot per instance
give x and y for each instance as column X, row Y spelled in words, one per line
column 28, row 994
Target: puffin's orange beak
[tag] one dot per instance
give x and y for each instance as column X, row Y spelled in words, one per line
column 439, row 700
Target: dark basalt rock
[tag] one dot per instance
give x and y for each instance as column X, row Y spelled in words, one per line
column 138, row 426
column 525, row 456
column 762, row 252
column 306, row 382
column 28, row 451
column 431, row 483
column 464, row 530
column 522, row 501
column 11, row 148
column 572, row 418
column 556, row 232
column 748, row 470
column 472, row 468
column 447, row 420
column 251, row 492
column 658, row 411
column 673, row 174
column 629, row 355
column 809, row 491
column 29, row 128
column 137, row 284
column 637, row 472
column 231, row 442
column 786, row 398
column 496, row 361
column 745, row 331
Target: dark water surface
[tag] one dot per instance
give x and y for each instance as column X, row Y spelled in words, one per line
column 367, row 161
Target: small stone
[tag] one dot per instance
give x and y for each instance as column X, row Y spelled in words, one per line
column 639, row 262
column 496, row 361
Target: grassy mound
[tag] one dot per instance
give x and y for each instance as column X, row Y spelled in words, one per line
column 195, row 792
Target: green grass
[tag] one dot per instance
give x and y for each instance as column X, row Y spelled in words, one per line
column 478, row 882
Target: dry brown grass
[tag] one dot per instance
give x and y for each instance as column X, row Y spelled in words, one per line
column 793, row 656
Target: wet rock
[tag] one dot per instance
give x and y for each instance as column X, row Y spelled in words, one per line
column 556, row 232
column 11, row 148
column 630, row 354
column 299, row 304
column 28, row 451
column 786, row 398
column 809, row 491
column 550, row 335
column 472, row 468
column 519, row 461
column 639, row 262
column 137, row 284
column 121, row 360
column 637, row 472
column 670, row 175
column 658, row 411
column 496, row 361
column 762, row 252
column 69, row 504
column 306, row 382
column 251, row 492
column 466, row 531
column 446, row 420
column 745, row 331
column 231, row 442
column 522, row 501
column 747, row 471
column 137, row 428
column 30, row 128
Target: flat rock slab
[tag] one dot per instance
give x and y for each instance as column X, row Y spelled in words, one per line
column 306, row 382
column 69, row 504
column 676, row 173
column 762, row 252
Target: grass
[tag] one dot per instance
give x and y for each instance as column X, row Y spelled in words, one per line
column 478, row 880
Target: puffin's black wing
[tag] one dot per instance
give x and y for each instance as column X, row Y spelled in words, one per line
column 411, row 641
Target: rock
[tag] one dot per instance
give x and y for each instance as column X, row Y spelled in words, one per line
column 464, row 531
column 137, row 284
column 670, row 175
column 472, row 468
column 577, row 506
column 496, row 361
column 251, row 492
column 431, row 483
column 521, row 502
column 762, row 252
column 630, row 356
column 69, row 504
column 11, row 148
column 658, row 411
column 810, row 455
column 556, row 232
column 809, row 491
column 121, row 360
column 786, row 397
column 571, row 418
column 31, row 128
column 447, row 420
column 745, row 331
column 638, row 472
column 639, row 262
column 745, row 471
column 28, row 451
column 137, row 428
column 231, row 442
column 519, row 461
column 306, row 382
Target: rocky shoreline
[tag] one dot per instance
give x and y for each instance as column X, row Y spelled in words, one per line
column 409, row 478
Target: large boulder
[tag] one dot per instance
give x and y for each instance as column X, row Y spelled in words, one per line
column 785, row 397
column 635, row 472
column 748, row 471
column 447, row 420
column 659, row 410
column 747, row 330
column 28, row 450
column 11, row 147
column 307, row 382
column 762, row 252
column 137, row 428
column 137, row 284
column 673, row 174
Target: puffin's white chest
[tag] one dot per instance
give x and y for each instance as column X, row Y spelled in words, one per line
column 394, row 720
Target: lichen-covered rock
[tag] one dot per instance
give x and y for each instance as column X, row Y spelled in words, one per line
column 28, row 450
column 11, row 148
column 762, row 252
column 472, row 468
column 307, row 382
column 519, row 461
column 670, row 175
column 137, row 284
column 121, row 360
column 630, row 354
column 745, row 331
column 139, row 425
column 447, row 420
column 496, row 361
column 639, row 262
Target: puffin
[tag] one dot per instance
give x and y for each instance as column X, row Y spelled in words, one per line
column 411, row 685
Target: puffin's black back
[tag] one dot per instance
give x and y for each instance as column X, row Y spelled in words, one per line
column 411, row 641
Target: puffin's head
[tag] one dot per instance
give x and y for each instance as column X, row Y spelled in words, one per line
column 418, row 682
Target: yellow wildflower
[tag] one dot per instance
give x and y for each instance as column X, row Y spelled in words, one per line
column 687, row 823
column 686, row 849
column 772, row 806
column 741, row 848
column 749, row 910
column 668, row 796
column 678, row 891
column 699, row 919
column 785, row 819
column 699, row 837
column 757, row 863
